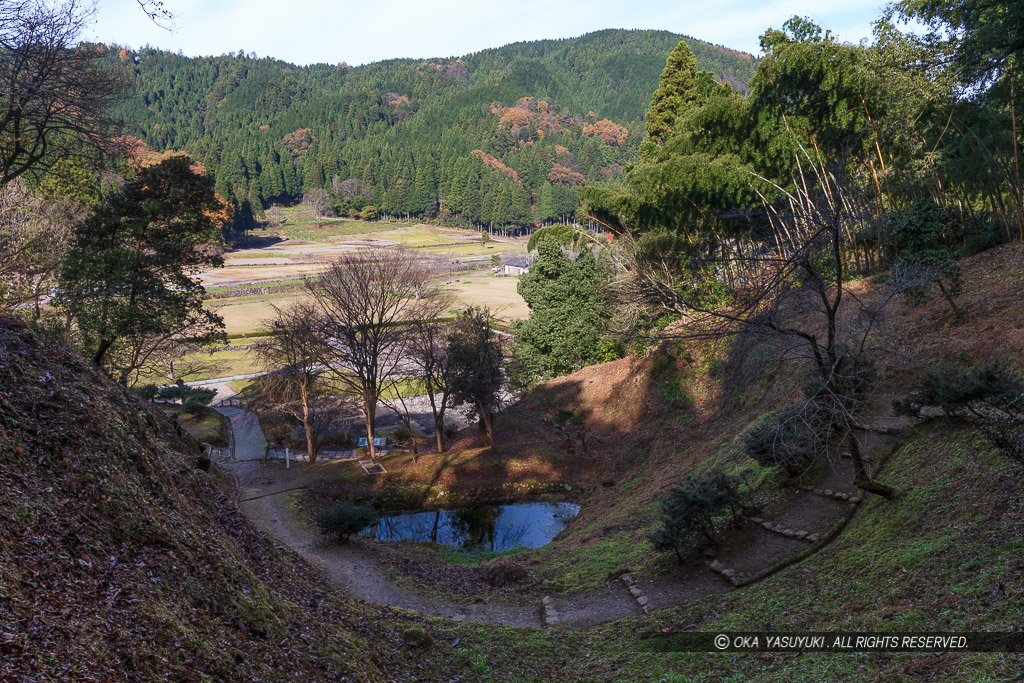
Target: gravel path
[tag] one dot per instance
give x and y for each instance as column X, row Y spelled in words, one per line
column 248, row 442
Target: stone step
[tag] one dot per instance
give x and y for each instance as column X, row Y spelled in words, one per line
column 799, row 534
column 729, row 575
column 829, row 493
column 634, row 589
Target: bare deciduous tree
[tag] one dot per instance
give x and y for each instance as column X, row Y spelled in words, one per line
column 364, row 302
column 33, row 236
column 793, row 287
column 54, row 91
column 294, row 382
column 174, row 353
column 428, row 353
column 319, row 202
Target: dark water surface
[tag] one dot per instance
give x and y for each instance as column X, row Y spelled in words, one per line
column 482, row 528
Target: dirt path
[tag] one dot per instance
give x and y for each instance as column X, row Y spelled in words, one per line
column 264, row 495
column 352, row 567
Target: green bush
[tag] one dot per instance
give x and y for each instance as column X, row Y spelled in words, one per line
column 345, row 518
column 146, row 391
column 992, row 397
column 171, row 393
column 193, row 406
column 694, row 509
column 673, row 393
column 917, row 243
column 960, row 391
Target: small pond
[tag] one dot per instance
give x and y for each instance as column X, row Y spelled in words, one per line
column 482, row 528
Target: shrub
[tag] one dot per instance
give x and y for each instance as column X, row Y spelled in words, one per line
column 796, row 436
column 171, row 393
column 672, row 391
column 195, row 401
column 916, row 241
column 992, row 397
column 450, row 431
column 956, row 390
column 345, row 518
column 146, row 391
column 693, row 508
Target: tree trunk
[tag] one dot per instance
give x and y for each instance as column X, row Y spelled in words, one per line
column 486, row 432
column 439, row 433
column 371, row 419
column 102, row 350
column 310, row 448
column 949, row 300
column 861, row 477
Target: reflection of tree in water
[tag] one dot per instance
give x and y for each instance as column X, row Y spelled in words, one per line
column 492, row 528
column 475, row 526
column 415, row 527
column 510, row 537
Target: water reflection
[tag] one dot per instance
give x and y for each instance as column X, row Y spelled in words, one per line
column 482, row 528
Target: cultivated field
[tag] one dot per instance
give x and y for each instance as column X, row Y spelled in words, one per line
column 284, row 253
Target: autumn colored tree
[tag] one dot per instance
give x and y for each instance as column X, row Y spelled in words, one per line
column 565, row 175
column 128, row 274
column 609, row 131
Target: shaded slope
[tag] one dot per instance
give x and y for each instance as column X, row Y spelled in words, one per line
column 119, row 558
column 642, row 437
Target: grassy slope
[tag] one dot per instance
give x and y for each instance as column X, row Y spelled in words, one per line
column 947, row 555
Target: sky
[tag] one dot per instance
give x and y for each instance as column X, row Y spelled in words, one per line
column 335, row 31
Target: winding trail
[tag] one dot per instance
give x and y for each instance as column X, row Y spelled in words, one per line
column 262, row 497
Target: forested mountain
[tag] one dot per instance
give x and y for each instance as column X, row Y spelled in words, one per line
column 502, row 137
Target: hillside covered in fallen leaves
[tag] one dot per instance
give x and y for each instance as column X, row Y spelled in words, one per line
column 123, row 557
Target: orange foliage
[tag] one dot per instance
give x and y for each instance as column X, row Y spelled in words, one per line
column 140, row 156
column 609, row 131
column 494, row 163
column 396, row 100
column 515, row 117
column 561, row 151
column 225, row 212
column 565, row 175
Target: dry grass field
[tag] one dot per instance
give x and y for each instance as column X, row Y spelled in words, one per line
column 301, row 249
column 496, row 292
